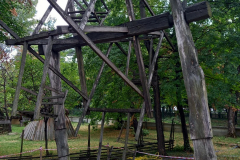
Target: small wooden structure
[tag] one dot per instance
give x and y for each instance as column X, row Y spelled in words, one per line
column 35, row 130
column 133, row 32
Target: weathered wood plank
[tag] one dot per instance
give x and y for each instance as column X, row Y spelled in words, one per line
column 101, row 137
column 5, row 122
column 114, row 110
column 29, row 91
column 79, row 4
column 126, row 137
column 154, row 60
column 12, row 33
column 45, row 72
column 87, row 13
column 92, row 92
column 93, row 46
column 103, row 2
column 19, row 83
column 194, row 80
column 120, row 47
column 67, row 29
column 53, row 89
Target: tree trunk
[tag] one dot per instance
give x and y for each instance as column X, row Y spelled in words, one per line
column 180, row 109
column 194, row 80
column 231, row 122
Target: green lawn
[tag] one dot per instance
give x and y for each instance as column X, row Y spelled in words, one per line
column 9, row 144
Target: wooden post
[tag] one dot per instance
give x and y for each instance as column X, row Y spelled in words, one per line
column 21, row 144
column 92, row 92
column 45, row 72
column 194, row 80
column 126, row 138
column 46, row 138
column 20, row 76
column 89, row 141
column 101, row 137
column 40, row 152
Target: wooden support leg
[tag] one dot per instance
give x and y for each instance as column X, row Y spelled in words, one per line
column 92, row 92
column 45, row 72
column 20, row 76
column 101, row 137
column 194, row 80
column 126, row 138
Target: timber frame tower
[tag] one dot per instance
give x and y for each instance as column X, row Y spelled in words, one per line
column 86, row 35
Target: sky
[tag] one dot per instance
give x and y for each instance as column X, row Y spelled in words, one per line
column 42, row 7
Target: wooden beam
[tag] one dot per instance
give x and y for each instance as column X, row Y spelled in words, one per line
column 126, row 137
column 29, row 91
column 48, row 54
column 20, row 76
column 114, row 110
column 194, row 80
column 43, row 19
column 79, row 4
column 87, row 13
column 154, row 60
column 101, row 137
column 92, row 92
column 120, row 47
column 93, row 46
column 67, row 29
column 12, row 33
column 103, row 2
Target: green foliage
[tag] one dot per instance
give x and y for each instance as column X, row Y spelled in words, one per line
column 18, row 16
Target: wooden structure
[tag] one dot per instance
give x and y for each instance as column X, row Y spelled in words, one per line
column 35, row 130
column 132, row 31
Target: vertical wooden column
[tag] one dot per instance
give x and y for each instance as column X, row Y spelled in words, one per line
column 45, row 72
column 194, row 80
column 60, row 123
column 140, row 62
column 81, row 72
column 101, row 137
column 126, row 137
column 20, row 76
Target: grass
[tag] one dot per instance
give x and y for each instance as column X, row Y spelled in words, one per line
column 225, row 147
